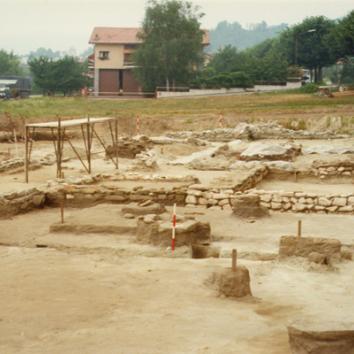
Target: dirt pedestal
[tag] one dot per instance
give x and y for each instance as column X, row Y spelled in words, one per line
column 321, row 338
column 204, row 251
column 248, row 206
column 309, row 247
column 233, row 283
column 159, row 232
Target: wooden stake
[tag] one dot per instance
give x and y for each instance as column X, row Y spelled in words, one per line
column 234, row 260
column 89, row 144
column 299, row 227
column 26, row 154
column 15, row 139
column 116, row 141
column 62, row 210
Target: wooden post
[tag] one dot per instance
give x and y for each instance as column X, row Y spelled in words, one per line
column 15, row 139
column 59, row 148
column 26, row 153
column 116, row 141
column 234, row 260
column 299, row 226
column 62, row 205
column 89, row 143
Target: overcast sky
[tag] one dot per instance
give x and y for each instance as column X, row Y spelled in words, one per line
column 60, row 24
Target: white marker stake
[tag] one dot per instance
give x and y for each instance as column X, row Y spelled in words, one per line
column 221, row 121
column 174, row 221
column 138, row 125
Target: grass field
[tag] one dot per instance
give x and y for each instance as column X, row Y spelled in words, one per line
column 190, row 113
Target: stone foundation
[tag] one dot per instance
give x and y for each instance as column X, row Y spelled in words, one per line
column 14, row 203
column 222, row 199
column 306, row 202
column 323, row 170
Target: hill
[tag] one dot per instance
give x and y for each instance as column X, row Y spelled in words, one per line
column 234, row 34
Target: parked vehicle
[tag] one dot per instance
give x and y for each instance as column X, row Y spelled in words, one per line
column 14, row 87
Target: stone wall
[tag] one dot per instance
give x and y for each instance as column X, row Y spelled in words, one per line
column 220, row 199
column 86, row 191
column 14, row 203
column 82, row 195
column 11, row 164
column 306, row 202
column 325, row 170
column 269, row 130
column 15, row 164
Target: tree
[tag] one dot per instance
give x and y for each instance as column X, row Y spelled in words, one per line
column 70, row 75
column 226, row 60
column 264, row 62
column 342, row 37
column 171, row 46
column 65, row 75
column 306, row 44
column 44, row 78
column 10, row 64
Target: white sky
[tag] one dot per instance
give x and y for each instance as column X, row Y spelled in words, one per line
column 60, row 24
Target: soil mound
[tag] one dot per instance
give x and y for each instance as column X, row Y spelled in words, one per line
column 246, row 206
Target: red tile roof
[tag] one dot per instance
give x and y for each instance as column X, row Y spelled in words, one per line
column 123, row 35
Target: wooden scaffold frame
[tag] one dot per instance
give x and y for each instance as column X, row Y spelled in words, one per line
column 58, row 130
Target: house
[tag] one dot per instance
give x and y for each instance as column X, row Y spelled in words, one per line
column 113, row 59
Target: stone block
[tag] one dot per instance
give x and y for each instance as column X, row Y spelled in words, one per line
column 339, row 201
column 275, row 206
column 299, row 207
column 191, row 199
column 324, row 201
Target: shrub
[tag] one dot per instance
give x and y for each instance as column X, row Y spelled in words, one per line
column 309, row 88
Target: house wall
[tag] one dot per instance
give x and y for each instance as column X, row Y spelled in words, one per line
column 106, row 77
column 116, row 56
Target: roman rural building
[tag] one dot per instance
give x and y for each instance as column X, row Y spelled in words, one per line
column 113, row 59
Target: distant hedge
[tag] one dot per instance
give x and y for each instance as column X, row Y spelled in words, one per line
column 225, row 80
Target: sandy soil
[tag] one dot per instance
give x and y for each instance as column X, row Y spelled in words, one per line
column 104, row 293
column 96, row 299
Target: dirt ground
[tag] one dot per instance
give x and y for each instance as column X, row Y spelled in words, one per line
column 106, row 293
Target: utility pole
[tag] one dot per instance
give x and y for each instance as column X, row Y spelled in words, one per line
column 296, row 45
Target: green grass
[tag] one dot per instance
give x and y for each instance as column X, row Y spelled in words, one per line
column 48, row 107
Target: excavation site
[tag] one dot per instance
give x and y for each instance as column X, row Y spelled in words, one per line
column 227, row 240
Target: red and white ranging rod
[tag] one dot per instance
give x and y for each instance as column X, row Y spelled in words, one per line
column 174, row 222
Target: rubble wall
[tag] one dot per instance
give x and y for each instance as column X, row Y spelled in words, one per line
column 21, row 202
column 275, row 200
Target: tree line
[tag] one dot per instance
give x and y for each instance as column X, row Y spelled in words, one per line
column 315, row 43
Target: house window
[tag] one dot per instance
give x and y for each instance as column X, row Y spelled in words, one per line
column 128, row 59
column 103, row 55
column 130, row 46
